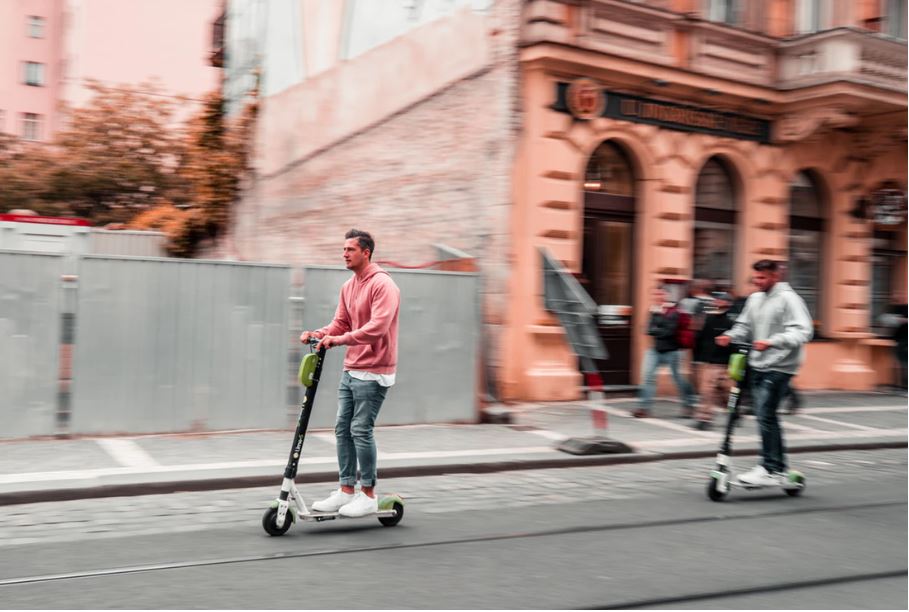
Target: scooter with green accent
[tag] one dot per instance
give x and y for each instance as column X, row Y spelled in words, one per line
column 289, row 506
column 721, row 477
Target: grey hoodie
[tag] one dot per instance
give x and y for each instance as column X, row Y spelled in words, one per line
column 780, row 317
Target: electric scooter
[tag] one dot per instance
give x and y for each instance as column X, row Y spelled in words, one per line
column 721, row 477
column 289, row 506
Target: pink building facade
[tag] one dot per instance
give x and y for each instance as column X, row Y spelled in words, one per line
column 702, row 136
column 50, row 49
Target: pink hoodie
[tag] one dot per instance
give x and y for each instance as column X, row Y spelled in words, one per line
column 367, row 321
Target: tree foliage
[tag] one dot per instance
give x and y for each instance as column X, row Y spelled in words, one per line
column 121, row 159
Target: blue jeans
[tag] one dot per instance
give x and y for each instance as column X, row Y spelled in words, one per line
column 768, row 388
column 359, row 402
column 652, row 362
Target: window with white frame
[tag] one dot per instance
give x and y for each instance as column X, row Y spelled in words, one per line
column 31, row 126
column 724, row 11
column 895, row 18
column 812, row 15
column 35, row 26
column 33, row 73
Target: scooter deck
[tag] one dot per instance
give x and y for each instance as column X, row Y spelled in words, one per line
column 330, row 516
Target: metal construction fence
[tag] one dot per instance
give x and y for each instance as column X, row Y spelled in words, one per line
column 94, row 344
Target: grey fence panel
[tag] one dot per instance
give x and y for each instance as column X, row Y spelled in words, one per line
column 30, row 307
column 176, row 345
column 123, row 242
column 437, row 345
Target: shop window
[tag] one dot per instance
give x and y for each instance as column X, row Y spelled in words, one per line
column 608, row 171
column 715, row 216
column 889, row 250
column 806, row 241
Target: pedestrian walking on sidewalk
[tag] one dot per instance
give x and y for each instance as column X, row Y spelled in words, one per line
column 716, row 360
column 777, row 324
column 366, row 320
column 695, row 305
column 663, row 326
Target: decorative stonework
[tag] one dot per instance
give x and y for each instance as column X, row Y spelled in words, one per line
column 802, row 126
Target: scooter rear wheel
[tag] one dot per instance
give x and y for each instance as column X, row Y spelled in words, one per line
column 713, row 492
column 391, row 521
column 270, row 522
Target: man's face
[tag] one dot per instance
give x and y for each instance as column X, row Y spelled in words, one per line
column 354, row 256
column 659, row 296
column 764, row 280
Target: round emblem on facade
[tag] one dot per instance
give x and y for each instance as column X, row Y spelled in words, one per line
column 586, row 99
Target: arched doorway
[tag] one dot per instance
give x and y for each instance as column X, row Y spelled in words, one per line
column 715, row 218
column 607, row 268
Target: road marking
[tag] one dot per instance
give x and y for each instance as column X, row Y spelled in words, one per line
column 551, row 435
column 127, row 452
column 658, row 422
column 264, row 463
column 835, row 422
column 326, row 437
column 834, row 409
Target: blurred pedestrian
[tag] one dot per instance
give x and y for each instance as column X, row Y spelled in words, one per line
column 716, row 360
column 696, row 304
column 366, row 320
column 663, row 326
column 777, row 324
column 896, row 319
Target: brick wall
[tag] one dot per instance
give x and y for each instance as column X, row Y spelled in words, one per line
column 438, row 171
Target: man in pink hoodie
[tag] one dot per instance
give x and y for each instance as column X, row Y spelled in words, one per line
column 366, row 320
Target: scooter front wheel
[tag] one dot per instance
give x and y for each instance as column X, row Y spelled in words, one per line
column 713, row 491
column 270, row 522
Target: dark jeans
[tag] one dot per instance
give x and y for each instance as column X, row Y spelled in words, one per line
column 768, row 388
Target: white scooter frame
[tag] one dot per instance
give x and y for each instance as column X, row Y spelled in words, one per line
column 722, row 478
column 289, row 505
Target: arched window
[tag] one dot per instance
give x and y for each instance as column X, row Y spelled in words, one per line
column 715, row 216
column 608, row 171
column 806, row 240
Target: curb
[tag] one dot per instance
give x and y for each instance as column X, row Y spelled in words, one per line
column 246, row 482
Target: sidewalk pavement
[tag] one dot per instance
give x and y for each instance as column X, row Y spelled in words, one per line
column 56, row 469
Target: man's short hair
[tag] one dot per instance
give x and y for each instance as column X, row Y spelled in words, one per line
column 364, row 239
column 766, row 265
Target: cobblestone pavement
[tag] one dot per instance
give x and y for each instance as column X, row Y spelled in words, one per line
column 89, row 519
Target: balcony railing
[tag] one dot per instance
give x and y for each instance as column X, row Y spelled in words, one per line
column 649, row 32
column 843, row 54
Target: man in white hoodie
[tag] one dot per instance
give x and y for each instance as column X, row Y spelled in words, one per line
column 777, row 324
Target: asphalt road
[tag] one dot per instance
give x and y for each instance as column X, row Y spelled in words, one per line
column 621, row 536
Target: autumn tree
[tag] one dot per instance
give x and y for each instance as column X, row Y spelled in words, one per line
column 121, row 159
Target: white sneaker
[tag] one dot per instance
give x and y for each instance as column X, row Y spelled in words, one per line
column 361, row 505
column 333, row 502
column 758, row 476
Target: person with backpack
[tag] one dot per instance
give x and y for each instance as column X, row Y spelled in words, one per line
column 716, row 359
column 693, row 313
column 664, row 327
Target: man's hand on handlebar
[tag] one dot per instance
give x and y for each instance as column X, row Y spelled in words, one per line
column 327, row 342
column 308, row 335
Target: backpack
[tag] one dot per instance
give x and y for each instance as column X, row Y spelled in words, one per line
column 684, row 334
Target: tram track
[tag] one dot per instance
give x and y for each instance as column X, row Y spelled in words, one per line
column 486, row 538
